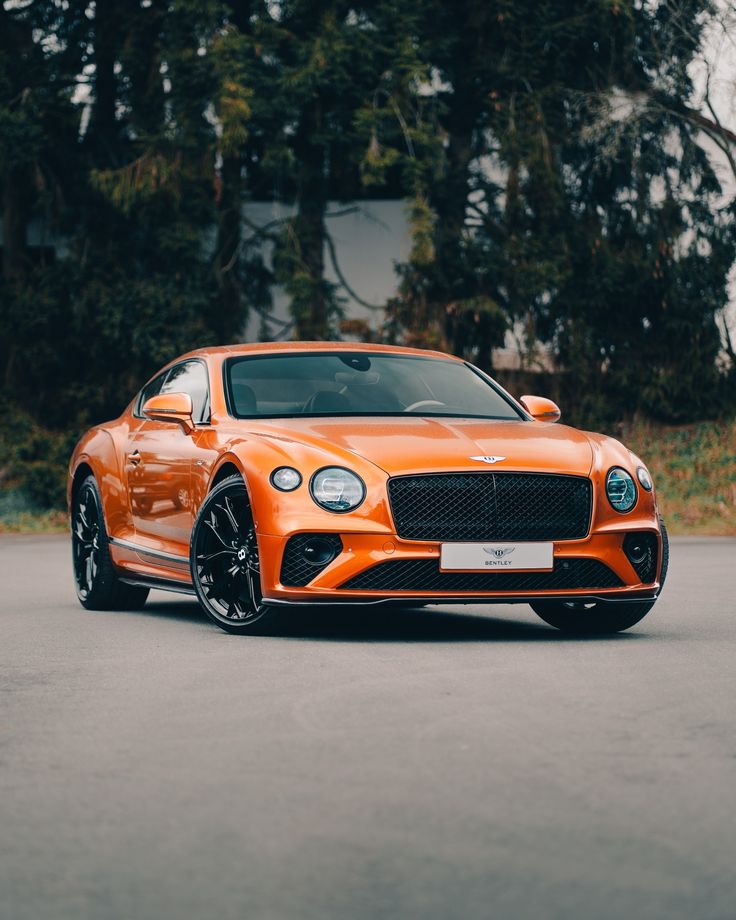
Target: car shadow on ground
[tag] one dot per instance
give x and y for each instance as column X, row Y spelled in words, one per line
column 428, row 624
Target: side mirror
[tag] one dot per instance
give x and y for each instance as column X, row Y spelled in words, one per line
column 171, row 407
column 541, row 409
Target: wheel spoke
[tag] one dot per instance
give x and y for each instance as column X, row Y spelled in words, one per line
column 208, row 557
column 252, row 588
column 212, row 524
column 231, row 516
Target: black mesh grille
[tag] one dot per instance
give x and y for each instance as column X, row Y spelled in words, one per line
column 646, row 564
column 424, row 575
column 296, row 571
column 490, row 506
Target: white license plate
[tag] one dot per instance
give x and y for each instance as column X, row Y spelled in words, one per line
column 502, row 557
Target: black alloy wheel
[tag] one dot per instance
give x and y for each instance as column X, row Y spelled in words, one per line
column 224, row 561
column 95, row 579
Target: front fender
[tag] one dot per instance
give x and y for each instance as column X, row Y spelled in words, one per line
column 283, row 513
column 607, row 453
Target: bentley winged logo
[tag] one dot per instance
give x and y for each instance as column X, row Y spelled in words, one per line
column 488, row 459
column 498, row 551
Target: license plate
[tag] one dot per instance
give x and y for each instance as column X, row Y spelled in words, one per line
column 502, row 557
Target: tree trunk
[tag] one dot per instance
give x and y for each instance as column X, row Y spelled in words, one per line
column 310, row 300
column 227, row 260
column 102, row 133
column 15, row 218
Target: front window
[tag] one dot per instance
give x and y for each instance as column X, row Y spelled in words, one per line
column 360, row 383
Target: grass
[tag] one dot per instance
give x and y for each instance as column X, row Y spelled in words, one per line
column 35, row 522
column 19, row 515
column 694, row 470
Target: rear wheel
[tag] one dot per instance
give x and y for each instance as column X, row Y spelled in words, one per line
column 97, row 584
column 224, row 561
column 599, row 618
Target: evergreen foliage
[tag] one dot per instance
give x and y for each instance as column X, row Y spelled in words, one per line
column 556, row 180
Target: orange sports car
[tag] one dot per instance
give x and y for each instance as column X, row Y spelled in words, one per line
column 298, row 474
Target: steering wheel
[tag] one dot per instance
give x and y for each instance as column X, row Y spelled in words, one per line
column 423, row 402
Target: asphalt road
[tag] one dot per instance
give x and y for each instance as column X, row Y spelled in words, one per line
column 456, row 763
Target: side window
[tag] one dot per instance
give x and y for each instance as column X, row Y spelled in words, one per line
column 150, row 389
column 191, row 377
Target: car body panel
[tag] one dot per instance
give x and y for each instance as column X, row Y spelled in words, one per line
column 150, row 502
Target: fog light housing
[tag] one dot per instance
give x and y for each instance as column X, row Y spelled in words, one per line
column 641, row 551
column 319, row 551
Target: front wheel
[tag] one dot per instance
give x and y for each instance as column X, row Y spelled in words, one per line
column 224, row 561
column 596, row 618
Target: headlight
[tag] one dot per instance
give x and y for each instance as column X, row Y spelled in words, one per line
column 337, row 489
column 286, row 478
column 621, row 490
column 645, row 480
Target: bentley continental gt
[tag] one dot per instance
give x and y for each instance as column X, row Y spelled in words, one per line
column 299, row 474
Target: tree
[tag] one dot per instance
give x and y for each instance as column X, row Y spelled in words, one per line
column 572, row 201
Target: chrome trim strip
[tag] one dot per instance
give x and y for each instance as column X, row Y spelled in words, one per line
column 145, row 551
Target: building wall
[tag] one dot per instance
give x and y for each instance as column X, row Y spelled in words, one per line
column 370, row 237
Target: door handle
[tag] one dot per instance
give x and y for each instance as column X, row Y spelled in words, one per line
column 135, row 457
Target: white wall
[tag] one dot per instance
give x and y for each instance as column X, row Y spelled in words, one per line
column 370, row 237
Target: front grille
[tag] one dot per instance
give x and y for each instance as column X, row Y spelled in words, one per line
column 296, row 571
column 642, row 547
column 424, row 575
column 490, row 506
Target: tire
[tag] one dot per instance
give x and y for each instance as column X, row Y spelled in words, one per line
column 591, row 619
column 665, row 556
column 95, row 580
column 601, row 618
column 224, row 562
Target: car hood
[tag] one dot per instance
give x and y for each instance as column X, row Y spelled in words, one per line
column 421, row 444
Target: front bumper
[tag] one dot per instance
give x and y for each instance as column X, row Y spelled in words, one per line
column 362, row 551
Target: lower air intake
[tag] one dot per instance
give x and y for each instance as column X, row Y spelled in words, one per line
column 424, row 575
column 306, row 555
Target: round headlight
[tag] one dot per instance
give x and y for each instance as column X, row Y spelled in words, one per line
column 621, row 490
column 286, row 478
column 337, row 489
column 645, row 480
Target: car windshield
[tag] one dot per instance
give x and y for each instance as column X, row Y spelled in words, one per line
column 356, row 383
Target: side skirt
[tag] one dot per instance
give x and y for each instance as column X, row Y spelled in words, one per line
column 159, row 584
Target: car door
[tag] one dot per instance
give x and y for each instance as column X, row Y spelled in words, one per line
column 159, row 461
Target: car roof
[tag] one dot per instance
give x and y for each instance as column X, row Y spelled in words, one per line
column 285, row 347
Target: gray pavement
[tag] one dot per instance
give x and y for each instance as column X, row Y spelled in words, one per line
column 454, row 763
